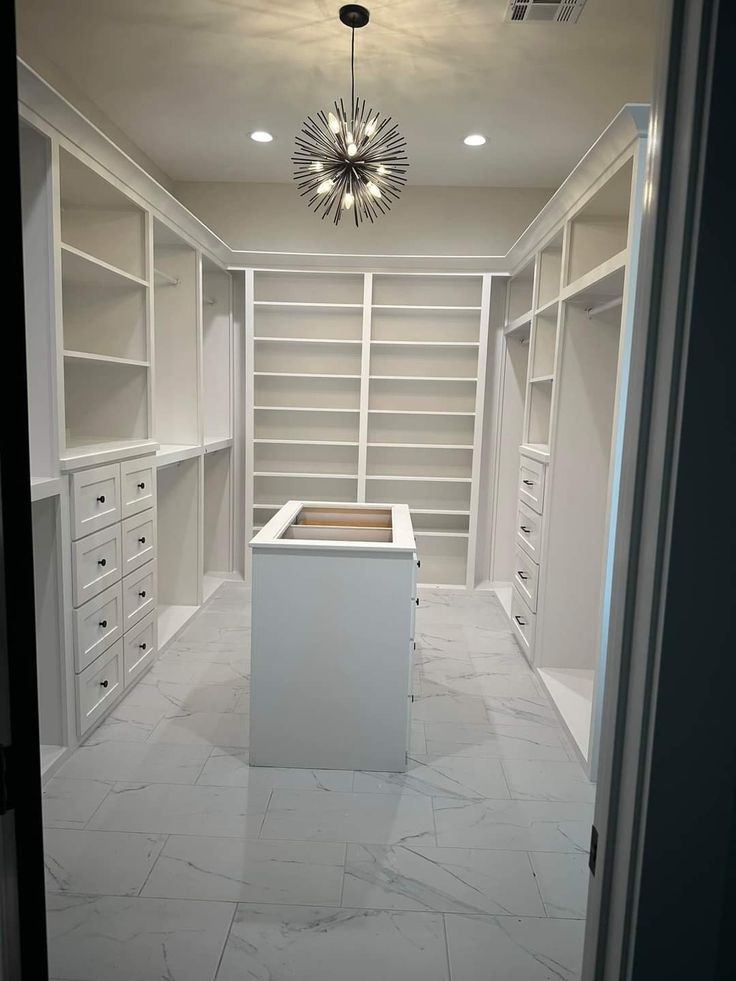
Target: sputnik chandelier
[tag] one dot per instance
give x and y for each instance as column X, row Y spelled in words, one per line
column 352, row 161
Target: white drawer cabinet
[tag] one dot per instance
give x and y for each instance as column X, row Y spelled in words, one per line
column 531, row 483
column 523, row 623
column 139, row 594
column 141, row 644
column 95, row 499
column 99, row 685
column 97, row 625
column 529, row 531
column 139, row 540
column 526, row 577
column 138, row 483
column 96, row 563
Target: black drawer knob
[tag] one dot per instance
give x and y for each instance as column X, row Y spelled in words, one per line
column 142, row 541
column 529, row 483
column 141, row 486
column 417, row 601
column 103, row 623
column 527, row 531
column 142, row 594
column 419, row 563
column 101, row 499
column 143, row 646
column 102, row 562
column 104, row 684
column 522, row 623
column 523, row 576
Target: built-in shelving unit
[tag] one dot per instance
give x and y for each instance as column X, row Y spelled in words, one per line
column 367, row 387
column 561, row 363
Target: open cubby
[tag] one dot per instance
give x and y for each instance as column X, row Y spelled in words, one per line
column 424, row 494
column 320, row 359
column 306, row 287
column 217, row 352
column 405, row 393
column 540, row 408
column 427, row 290
column 176, row 339
column 108, row 320
column 318, row 393
column 550, row 271
column 300, row 458
column 50, row 631
column 520, row 293
column 98, row 219
column 437, row 326
column 396, row 427
column 599, row 231
column 317, row 323
column 179, row 559
column 443, row 560
column 440, row 524
column 217, row 511
column 295, row 424
column 545, row 341
column 105, row 402
column 418, row 462
column 423, row 361
column 279, row 490
column 38, row 275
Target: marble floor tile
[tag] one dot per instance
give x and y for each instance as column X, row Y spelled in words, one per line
column 525, row 710
column 137, row 762
column 417, row 738
column 212, row 631
column 106, row 863
column 440, row 641
column 537, row 780
column 436, row 704
column 208, row 728
column 464, row 777
column 70, row 803
column 179, row 809
column 506, row 948
column 127, row 723
column 563, row 883
column 484, row 639
column 249, row 871
column 185, row 668
column 517, row 742
column 133, row 939
column 229, row 767
column 309, row 815
column 281, row 943
column 465, row 678
column 174, row 698
column 447, row 880
column 514, row 825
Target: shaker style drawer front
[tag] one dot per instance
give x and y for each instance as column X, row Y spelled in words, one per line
column 529, row 531
column 99, row 685
column 96, row 563
column 531, row 483
column 138, row 480
column 97, row 625
column 526, row 577
column 140, row 647
column 95, row 499
column 523, row 622
column 139, row 540
column 139, row 594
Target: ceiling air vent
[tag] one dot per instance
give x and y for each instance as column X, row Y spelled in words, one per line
column 559, row 11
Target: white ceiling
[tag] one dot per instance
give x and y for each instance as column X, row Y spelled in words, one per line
column 188, row 80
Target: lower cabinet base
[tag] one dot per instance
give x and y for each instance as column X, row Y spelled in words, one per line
column 523, row 623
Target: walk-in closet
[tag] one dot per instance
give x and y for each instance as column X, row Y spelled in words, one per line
column 327, row 406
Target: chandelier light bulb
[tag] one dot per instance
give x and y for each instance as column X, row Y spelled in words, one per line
column 325, row 186
column 352, row 149
column 348, row 201
column 334, row 122
column 370, row 128
column 382, row 169
column 374, row 189
column 316, row 166
column 349, row 137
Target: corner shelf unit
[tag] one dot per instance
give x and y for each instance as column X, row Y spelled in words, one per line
column 561, row 360
column 369, row 387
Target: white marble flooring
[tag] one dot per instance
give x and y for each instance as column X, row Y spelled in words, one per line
column 167, row 857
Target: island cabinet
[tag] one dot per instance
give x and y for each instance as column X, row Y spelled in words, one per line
column 334, row 598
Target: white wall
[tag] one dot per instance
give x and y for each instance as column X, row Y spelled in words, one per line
column 427, row 220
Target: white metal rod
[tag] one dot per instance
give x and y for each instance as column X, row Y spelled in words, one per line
column 208, row 301
column 170, row 280
column 602, row 307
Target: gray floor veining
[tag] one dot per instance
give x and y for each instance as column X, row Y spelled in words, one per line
column 167, row 857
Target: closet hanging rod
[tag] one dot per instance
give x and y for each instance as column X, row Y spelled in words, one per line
column 169, row 280
column 602, row 307
column 208, row 301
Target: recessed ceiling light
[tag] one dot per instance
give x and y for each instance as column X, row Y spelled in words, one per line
column 261, row 136
column 475, row 139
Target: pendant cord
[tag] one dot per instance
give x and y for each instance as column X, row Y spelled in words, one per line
column 352, row 79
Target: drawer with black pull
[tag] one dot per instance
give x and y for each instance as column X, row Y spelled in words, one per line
column 139, row 540
column 96, row 563
column 99, row 685
column 97, row 625
column 526, row 577
column 95, row 499
column 141, row 644
column 523, row 623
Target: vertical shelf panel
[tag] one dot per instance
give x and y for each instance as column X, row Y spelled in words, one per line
column 178, row 504
column 217, row 511
column 216, row 351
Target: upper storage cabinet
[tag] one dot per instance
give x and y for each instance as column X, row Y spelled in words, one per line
column 217, row 345
column 599, row 230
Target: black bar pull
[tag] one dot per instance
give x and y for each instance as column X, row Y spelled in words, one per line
column 522, row 623
column 529, row 483
column 527, row 531
column 522, row 575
